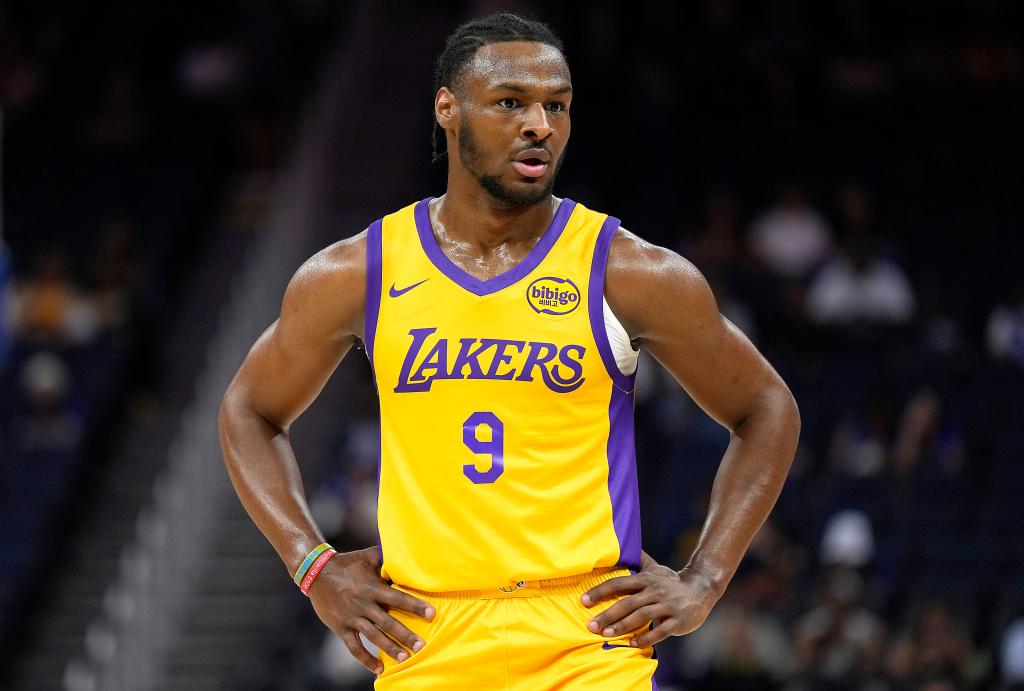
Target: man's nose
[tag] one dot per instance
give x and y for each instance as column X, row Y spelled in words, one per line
column 535, row 123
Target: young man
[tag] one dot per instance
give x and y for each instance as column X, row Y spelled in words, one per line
column 501, row 324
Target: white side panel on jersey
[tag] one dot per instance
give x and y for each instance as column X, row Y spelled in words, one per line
column 622, row 349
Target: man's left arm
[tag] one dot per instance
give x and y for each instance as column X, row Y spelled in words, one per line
column 665, row 304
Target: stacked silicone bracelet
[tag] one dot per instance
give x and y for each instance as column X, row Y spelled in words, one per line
column 314, row 570
column 308, row 561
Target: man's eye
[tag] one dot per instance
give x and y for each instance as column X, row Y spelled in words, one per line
column 508, row 103
column 556, row 107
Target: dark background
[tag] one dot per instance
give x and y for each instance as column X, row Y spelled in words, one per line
column 846, row 174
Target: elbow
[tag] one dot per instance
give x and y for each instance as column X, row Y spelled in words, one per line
column 777, row 410
column 781, row 405
column 237, row 409
column 792, row 415
column 786, row 414
column 789, row 408
column 227, row 417
column 774, row 407
column 230, row 406
column 232, row 416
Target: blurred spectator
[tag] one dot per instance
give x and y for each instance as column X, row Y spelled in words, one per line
column 211, row 69
column 737, row 647
column 1011, row 653
column 1005, row 332
column 939, row 332
column 860, row 439
column 924, row 434
column 859, row 287
column 52, row 422
column 118, row 274
column 848, row 540
column 49, row 308
column 839, row 642
column 936, row 645
column 791, row 238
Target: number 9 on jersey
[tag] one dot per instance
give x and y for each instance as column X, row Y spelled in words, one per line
column 494, row 447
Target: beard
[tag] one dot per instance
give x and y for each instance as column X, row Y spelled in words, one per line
column 469, row 154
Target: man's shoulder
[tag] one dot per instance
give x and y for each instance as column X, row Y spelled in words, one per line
column 630, row 253
column 331, row 284
column 327, row 292
column 342, row 260
column 644, row 279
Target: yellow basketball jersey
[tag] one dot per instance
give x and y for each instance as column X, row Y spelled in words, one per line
column 506, row 425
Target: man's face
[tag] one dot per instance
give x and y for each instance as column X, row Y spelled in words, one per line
column 513, row 120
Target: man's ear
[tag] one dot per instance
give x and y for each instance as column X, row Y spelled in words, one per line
column 446, row 109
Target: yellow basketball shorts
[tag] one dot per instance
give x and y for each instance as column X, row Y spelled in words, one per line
column 529, row 637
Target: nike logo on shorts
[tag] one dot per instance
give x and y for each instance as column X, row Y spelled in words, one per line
column 395, row 292
column 608, row 646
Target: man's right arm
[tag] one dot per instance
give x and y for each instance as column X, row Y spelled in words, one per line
column 283, row 373
column 321, row 318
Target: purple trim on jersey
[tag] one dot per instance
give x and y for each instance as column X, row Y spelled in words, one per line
column 380, row 442
column 595, row 303
column 374, row 281
column 492, row 285
column 622, row 482
column 371, row 310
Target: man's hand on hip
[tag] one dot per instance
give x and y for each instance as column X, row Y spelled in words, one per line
column 676, row 602
column 351, row 598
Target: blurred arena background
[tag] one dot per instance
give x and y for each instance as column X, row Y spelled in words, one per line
column 847, row 174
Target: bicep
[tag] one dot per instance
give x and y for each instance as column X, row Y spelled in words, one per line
column 292, row 360
column 671, row 309
column 719, row 367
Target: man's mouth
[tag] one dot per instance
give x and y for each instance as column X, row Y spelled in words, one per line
column 532, row 163
column 530, row 167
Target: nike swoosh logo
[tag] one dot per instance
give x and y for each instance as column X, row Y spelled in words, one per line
column 608, row 646
column 395, row 292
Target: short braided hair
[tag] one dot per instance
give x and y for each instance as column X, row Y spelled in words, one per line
column 463, row 43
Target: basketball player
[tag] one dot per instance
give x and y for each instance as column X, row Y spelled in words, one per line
column 502, row 325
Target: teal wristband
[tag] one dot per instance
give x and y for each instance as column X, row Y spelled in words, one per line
column 308, row 561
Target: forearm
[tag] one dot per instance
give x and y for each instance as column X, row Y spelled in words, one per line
column 747, row 484
column 265, row 474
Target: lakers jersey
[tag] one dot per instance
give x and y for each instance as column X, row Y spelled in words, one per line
column 506, row 449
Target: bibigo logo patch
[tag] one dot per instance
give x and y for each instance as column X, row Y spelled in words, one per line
column 550, row 295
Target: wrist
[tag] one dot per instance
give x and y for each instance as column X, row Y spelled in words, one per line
column 372, row 555
column 309, row 560
column 711, row 579
column 647, row 561
column 314, row 570
column 297, row 549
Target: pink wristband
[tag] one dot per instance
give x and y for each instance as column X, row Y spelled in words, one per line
column 314, row 571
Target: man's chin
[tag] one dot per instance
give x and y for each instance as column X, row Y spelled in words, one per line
column 529, row 192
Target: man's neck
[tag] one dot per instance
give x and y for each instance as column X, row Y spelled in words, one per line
column 469, row 214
